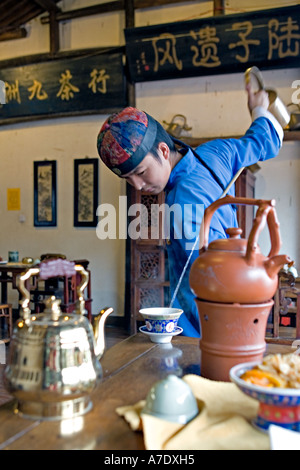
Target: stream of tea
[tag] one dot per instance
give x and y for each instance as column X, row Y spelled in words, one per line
column 201, row 241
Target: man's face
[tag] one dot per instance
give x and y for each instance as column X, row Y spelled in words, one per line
column 151, row 175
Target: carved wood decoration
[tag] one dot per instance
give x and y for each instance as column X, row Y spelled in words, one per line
column 148, row 274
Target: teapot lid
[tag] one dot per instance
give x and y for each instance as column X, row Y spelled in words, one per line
column 233, row 243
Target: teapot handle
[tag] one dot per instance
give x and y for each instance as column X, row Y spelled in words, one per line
column 257, row 74
column 47, row 270
column 266, row 211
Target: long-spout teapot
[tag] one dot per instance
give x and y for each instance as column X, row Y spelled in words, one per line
column 54, row 357
column 233, row 270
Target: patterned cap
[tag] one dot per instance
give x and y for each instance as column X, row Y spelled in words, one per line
column 125, row 139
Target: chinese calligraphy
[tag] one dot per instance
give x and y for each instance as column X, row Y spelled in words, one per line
column 247, row 25
column 67, row 90
column 169, row 53
column 287, row 44
column 215, row 44
column 208, row 48
column 85, row 84
column 99, row 77
column 13, row 91
column 36, row 91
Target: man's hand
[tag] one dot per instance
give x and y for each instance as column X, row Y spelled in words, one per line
column 258, row 98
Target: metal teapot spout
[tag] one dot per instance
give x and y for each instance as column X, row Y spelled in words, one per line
column 98, row 328
column 274, row 264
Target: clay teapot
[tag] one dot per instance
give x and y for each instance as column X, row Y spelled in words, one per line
column 233, row 270
column 54, row 357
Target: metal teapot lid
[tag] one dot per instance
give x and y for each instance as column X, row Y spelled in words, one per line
column 53, row 309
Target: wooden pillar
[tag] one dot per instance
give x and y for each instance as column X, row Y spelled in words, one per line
column 219, row 7
column 130, row 192
column 129, row 23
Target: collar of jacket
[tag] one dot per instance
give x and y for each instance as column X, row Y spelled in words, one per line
column 183, row 168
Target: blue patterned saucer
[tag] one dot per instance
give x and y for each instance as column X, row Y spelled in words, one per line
column 160, row 337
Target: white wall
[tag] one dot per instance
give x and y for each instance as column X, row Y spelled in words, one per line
column 61, row 140
column 214, row 106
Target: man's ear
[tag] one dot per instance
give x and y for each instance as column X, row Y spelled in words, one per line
column 164, row 149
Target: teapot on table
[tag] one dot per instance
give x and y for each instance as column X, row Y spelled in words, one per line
column 54, row 357
column 234, row 284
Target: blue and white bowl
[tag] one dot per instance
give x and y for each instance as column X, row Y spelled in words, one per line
column 161, row 319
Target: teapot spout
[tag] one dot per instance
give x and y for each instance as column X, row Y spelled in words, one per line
column 98, row 328
column 274, row 264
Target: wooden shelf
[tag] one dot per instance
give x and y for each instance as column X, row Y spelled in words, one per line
column 291, row 135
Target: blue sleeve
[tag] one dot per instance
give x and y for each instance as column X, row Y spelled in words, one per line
column 261, row 142
column 226, row 156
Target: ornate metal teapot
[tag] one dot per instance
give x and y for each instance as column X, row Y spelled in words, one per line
column 54, row 357
column 234, row 270
column 175, row 128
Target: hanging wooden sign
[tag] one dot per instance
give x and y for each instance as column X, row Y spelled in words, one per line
column 62, row 87
column 215, row 45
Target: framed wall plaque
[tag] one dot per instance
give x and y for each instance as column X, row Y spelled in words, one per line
column 73, row 86
column 215, row 45
column 45, row 211
column 85, row 192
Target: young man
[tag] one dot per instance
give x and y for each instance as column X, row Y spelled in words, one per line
column 136, row 147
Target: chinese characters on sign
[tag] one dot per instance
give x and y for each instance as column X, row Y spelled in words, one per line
column 215, row 45
column 62, row 87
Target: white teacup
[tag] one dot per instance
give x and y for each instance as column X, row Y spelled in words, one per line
column 161, row 319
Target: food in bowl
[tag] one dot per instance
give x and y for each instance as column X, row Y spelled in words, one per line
column 277, row 405
column 276, row 370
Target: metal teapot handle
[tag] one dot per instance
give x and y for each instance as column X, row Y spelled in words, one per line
column 266, row 211
column 47, row 270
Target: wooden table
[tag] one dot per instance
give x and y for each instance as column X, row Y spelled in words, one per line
column 130, row 368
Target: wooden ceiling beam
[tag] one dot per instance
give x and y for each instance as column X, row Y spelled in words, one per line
column 108, row 7
column 18, row 19
column 88, row 11
column 18, row 33
column 48, row 5
column 12, row 13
